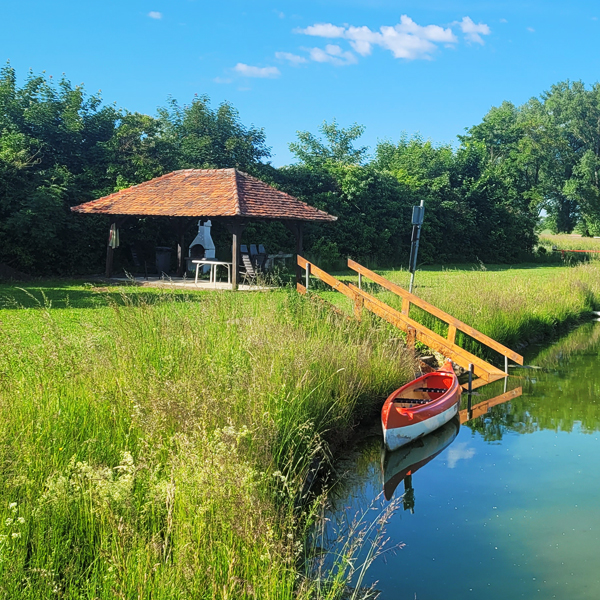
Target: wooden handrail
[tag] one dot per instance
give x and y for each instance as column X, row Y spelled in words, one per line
column 336, row 284
column 453, row 323
column 414, row 330
column 429, row 338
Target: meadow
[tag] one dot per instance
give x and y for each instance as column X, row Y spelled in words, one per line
column 166, row 445
column 159, row 445
column 568, row 242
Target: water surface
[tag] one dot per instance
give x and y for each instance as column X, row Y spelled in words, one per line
column 510, row 506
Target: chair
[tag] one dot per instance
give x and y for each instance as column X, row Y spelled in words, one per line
column 247, row 270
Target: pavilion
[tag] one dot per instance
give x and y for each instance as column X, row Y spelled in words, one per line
column 227, row 196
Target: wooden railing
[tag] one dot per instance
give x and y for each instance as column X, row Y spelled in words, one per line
column 454, row 324
column 413, row 329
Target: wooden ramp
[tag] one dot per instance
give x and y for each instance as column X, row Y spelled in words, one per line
column 414, row 330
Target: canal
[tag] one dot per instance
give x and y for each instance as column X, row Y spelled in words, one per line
column 504, row 505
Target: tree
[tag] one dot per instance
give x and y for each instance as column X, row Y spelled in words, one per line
column 338, row 147
column 202, row 137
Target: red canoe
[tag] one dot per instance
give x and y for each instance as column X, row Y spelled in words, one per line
column 420, row 407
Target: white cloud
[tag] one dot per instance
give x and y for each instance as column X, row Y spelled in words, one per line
column 332, row 54
column 154, row 14
column 474, row 31
column 222, row 80
column 459, row 452
column 503, row 21
column 262, row 72
column 531, row 30
column 323, row 30
column 406, row 39
column 292, row 58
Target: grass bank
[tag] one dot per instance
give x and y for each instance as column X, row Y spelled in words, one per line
column 512, row 305
column 157, row 445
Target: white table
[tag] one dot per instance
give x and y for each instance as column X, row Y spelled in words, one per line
column 213, row 269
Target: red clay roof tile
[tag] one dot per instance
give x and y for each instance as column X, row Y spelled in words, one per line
column 205, row 193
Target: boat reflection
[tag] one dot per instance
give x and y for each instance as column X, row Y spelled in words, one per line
column 400, row 465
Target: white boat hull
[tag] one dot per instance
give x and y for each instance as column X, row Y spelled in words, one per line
column 399, row 436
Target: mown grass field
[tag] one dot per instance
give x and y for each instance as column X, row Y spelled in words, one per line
column 159, row 445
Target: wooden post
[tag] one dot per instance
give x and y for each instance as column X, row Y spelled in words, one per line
column 235, row 228
column 236, row 238
column 411, row 337
column 299, row 250
column 181, row 249
column 358, row 307
column 181, row 226
column 296, row 227
column 405, row 306
column 451, row 333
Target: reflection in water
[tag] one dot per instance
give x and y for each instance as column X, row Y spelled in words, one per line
column 403, row 463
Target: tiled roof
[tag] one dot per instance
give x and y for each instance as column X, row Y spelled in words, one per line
column 204, row 193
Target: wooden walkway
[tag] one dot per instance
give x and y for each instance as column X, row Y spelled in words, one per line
column 414, row 330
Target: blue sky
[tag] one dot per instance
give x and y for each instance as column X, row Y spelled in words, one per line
column 431, row 67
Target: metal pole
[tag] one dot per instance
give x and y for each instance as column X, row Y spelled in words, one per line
column 360, row 281
column 307, row 275
column 506, row 364
column 417, row 222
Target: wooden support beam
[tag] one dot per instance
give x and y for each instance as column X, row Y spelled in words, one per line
column 451, row 334
column 405, row 306
column 109, row 252
column 297, row 228
column 336, row 284
column 358, row 308
column 411, row 337
column 117, row 221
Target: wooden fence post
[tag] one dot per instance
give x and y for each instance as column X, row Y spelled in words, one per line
column 411, row 337
column 358, row 306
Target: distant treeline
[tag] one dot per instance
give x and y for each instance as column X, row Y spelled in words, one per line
column 60, row 147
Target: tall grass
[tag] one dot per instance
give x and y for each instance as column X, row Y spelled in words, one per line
column 160, row 446
column 514, row 306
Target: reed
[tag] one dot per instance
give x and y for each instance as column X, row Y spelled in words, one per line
column 159, row 445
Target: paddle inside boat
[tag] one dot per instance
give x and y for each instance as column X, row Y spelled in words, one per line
column 420, row 407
